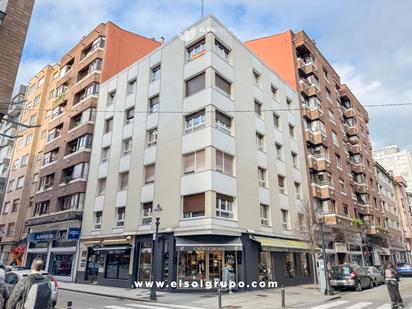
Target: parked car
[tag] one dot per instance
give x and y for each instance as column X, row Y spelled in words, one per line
column 404, row 269
column 375, row 274
column 350, row 276
column 12, row 277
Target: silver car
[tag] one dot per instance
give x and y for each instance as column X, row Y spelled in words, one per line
column 12, row 277
column 375, row 274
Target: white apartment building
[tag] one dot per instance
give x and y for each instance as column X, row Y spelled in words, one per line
column 397, row 161
column 203, row 128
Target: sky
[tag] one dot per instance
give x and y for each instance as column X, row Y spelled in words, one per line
column 368, row 42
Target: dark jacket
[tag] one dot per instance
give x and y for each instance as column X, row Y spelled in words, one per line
column 4, row 294
column 21, row 290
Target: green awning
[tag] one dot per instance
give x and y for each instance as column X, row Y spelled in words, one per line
column 278, row 244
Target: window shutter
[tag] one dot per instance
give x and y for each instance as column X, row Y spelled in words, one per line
column 228, row 164
column 220, row 117
column 221, row 83
column 200, row 160
column 195, row 84
column 194, row 203
column 219, row 161
column 189, row 163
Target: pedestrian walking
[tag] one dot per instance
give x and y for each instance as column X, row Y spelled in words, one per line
column 33, row 291
column 392, row 282
column 226, row 276
column 4, row 291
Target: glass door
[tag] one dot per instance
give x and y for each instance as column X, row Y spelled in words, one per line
column 92, row 268
column 215, row 266
column 145, row 261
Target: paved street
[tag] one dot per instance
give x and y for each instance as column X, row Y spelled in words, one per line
column 376, row 298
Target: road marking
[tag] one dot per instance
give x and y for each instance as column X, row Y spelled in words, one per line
column 386, row 306
column 330, row 305
column 359, row 305
column 168, row 306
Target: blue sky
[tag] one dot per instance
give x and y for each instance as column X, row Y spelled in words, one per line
column 366, row 41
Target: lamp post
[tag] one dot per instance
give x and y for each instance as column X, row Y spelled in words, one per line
column 319, row 217
column 157, row 211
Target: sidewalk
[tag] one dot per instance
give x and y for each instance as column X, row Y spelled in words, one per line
column 296, row 297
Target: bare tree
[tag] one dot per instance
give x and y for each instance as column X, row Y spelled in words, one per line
column 307, row 229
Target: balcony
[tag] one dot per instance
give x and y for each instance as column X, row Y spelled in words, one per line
column 312, row 113
column 357, row 168
column 360, row 187
column 353, row 140
column 308, row 88
column 322, row 190
column 353, row 149
column 318, row 162
column 377, row 231
column 307, row 66
column 352, row 131
column 316, row 137
column 349, row 112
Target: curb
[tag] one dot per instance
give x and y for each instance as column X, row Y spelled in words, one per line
column 106, row 295
column 334, row 298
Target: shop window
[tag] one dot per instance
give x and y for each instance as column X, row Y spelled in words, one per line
column 117, row 264
column 61, row 264
column 289, row 268
column 194, row 205
column 224, row 206
column 195, row 84
column 304, row 259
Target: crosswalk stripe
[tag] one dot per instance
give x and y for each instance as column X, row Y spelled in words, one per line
column 359, row 305
column 330, row 305
column 168, row 306
column 386, row 306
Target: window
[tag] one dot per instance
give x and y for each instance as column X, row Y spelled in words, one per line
column 345, row 210
column 304, row 260
column 127, row 146
column 90, row 90
column 298, row 190
column 338, row 161
column 149, row 173
column 224, row 206
column 36, row 100
column 194, row 162
column 21, row 144
column 97, row 220
column 274, row 92
column 194, row 205
column 120, row 212
column 41, row 208
column 282, row 184
column 222, row 84
column 24, row 160
column 325, row 73
column 342, row 186
column 331, row 115
column 289, row 104
column 101, row 186
column 335, row 138
column 152, row 137
column 196, row 50
column 117, row 264
column 195, row 84
column 32, row 120
column 40, row 82
column 129, row 115
column 16, row 164
column 295, row 161
column 285, row 219
column 29, row 139
column 258, row 108
column 124, row 181
column 289, row 269
column 83, row 142
column 291, row 130
column 222, row 50
column 279, row 152
column 108, row 125
column 6, row 208
column 259, row 141
column 43, row 134
column 328, row 95
column 256, row 78
column 105, row 154
column 131, row 86
column 10, row 187
column 276, row 121
column 20, row 182
column 16, row 204
column 224, row 163
column 264, row 214
column 77, row 171
column 195, row 121
column 262, row 177
column 147, row 209
column 10, row 230
column 223, row 122
column 154, row 104
column 156, row 72
column 46, row 182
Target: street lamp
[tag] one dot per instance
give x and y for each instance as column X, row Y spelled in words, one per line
column 156, row 212
column 319, row 217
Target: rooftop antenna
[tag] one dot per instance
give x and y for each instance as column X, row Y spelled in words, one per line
column 202, row 6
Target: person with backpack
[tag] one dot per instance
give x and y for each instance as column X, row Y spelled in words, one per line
column 392, row 282
column 4, row 291
column 33, row 291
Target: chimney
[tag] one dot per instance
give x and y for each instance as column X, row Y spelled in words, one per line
column 162, row 40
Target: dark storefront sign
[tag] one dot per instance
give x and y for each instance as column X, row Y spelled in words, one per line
column 42, row 236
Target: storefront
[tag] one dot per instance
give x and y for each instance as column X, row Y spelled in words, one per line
column 58, row 248
column 106, row 262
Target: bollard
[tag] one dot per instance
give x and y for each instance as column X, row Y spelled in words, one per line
column 219, row 297
column 282, row 294
column 69, row 305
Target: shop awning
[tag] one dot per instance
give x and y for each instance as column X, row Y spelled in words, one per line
column 111, row 248
column 278, row 244
column 185, row 243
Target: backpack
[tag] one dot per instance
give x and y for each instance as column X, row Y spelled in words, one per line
column 39, row 296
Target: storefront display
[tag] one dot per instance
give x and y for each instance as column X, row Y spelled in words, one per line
column 117, row 264
column 61, row 264
column 145, row 261
column 289, row 265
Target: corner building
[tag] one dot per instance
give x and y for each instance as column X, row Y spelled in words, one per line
column 337, row 146
column 192, row 127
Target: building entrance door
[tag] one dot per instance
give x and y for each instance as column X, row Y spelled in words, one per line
column 92, row 268
column 145, row 261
